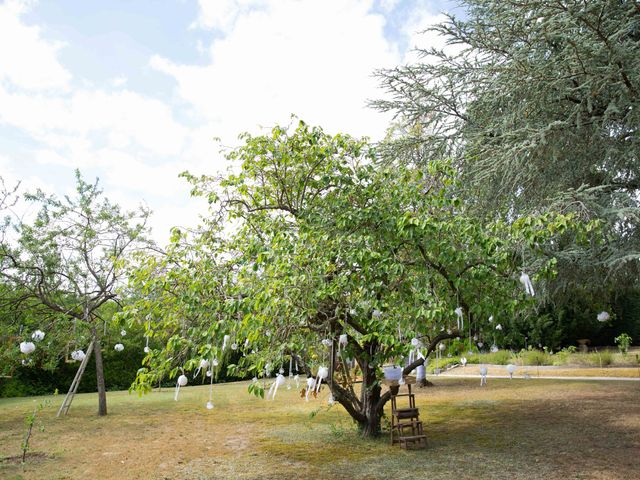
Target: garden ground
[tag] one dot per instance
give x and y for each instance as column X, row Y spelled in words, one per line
column 511, row 429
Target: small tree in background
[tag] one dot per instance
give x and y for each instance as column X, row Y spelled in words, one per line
column 67, row 264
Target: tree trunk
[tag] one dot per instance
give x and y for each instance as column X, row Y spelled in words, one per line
column 102, row 391
column 370, row 400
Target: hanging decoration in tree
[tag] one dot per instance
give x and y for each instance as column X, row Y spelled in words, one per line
column 342, row 342
column 499, row 327
column 182, row 381
column 78, row 355
column 203, row 364
column 528, row 286
column 38, row 335
column 280, row 380
column 463, row 361
column 123, row 333
column 460, row 319
column 326, row 342
column 27, row 347
column 225, row 340
column 494, row 348
column 511, row 368
column 311, row 383
column 323, row 373
column 603, row 317
column 118, row 347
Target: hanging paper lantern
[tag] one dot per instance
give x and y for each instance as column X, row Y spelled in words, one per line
column 326, row 342
column 123, row 333
column 460, row 319
column 475, row 338
column 296, row 378
column 377, row 313
column 209, row 405
column 480, row 344
column 491, row 319
column 38, row 335
column 234, row 346
column 246, row 342
column 209, row 373
column 27, row 347
column 528, row 286
column 182, row 381
column 225, row 340
column 415, row 342
column 147, row 349
column 343, row 340
column 442, row 346
column 118, row 347
column 463, row 361
column 281, row 371
column 214, row 362
column 603, row 316
column 78, row 355
column 511, row 368
column 498, row 327
column 494, row 348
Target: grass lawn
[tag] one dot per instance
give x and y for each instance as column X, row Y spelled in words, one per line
column 519, row 429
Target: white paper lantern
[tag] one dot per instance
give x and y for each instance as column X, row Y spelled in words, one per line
column 442, row 346
column 415, row 342
column 498, row 327
column 491, row 319
column 38, row 335
column 123, row 333
column 203, row 363
column 118, row 347
column 234, row 346
column 526, row 282
column 27, row 347
column 78, row 355
column 480, row 344
column 511, row 369
column 214, row 362
column 377, row 313
column 225, row 340
column 603, row 316
column 326, row 342
column 209, row 405
column 483, row 375
column 343, row 340
column 183, row 380
column 494, row 348
column 147, row 349
column 463, row 361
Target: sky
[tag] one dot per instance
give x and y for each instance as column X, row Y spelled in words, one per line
column 135, row 92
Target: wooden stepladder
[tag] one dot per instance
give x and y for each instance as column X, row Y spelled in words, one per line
column 64, row 408
column 406, row 427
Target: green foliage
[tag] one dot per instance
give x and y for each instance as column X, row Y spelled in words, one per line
column 623, row 341
column 538, row 103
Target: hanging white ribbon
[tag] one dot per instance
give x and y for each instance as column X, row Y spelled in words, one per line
column 528, row 286
column 311, row 383
column 203, row 364
column 225, row 340
column 342, row 342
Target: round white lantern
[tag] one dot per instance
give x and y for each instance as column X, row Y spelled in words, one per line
column 603, row 316
column 463, row 361
column 511, row 368
column 182, row 380
column 123, row 333
column 38, row 335
column 27, row 347
column 118, row 347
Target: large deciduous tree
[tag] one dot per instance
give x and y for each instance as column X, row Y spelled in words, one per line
column 321, row 241
column 66, row 264
column 538, row 103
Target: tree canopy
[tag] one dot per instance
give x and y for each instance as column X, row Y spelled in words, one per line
column 325, row 242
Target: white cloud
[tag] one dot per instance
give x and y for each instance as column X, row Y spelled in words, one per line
column 26, row 59
column 311, row 58
column 119, row 81
column 124, row 117
column 222, row 14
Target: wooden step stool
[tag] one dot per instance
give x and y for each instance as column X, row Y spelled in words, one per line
column 406, row 427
